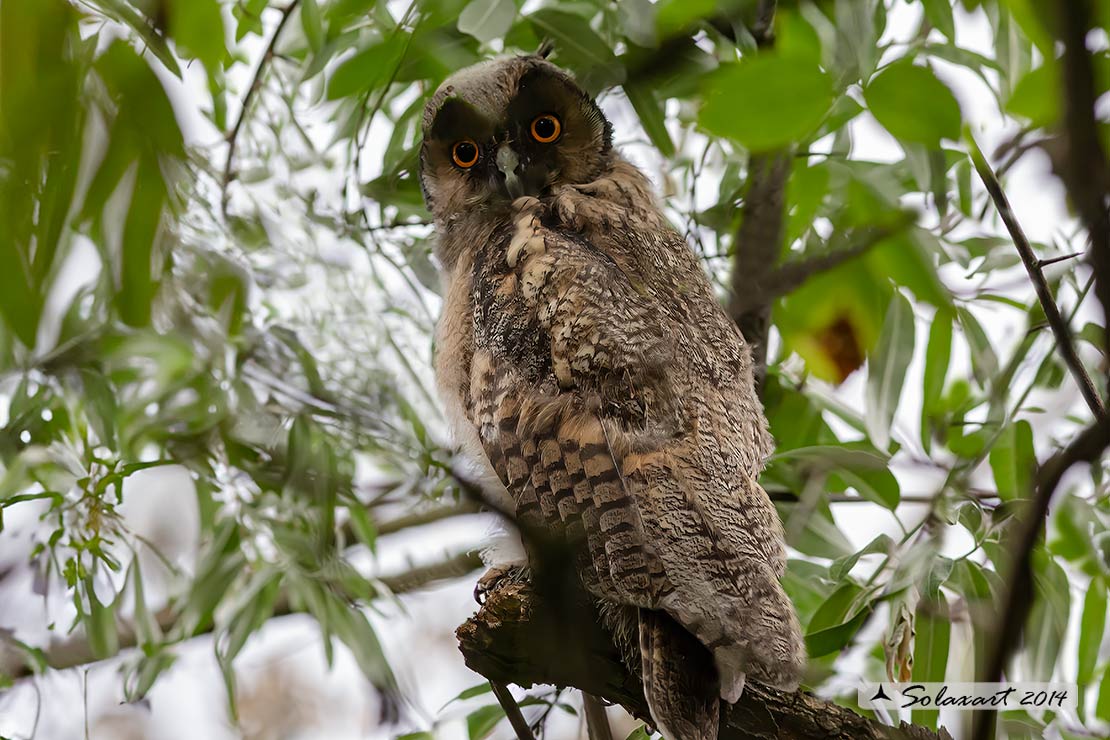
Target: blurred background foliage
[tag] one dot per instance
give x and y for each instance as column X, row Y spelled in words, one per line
column 217, row 261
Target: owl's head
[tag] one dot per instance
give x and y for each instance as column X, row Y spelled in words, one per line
column 506, row 128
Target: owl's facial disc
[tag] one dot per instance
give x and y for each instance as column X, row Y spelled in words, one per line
column 505, row 129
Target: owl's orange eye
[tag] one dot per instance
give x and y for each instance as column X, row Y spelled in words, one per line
column 546, row 128
column 465, row 153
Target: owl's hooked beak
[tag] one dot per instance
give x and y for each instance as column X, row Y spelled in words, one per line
column 508, row 163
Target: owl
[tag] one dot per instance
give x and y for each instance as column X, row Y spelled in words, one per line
column 582, row 357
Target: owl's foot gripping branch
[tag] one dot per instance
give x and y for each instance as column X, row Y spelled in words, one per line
column 514, row 639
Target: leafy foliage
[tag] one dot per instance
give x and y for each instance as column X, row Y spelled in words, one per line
column 218, row 258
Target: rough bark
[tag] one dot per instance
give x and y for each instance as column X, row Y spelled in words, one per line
column 514, row 639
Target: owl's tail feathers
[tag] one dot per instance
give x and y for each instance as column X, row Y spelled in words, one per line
column 680, row 682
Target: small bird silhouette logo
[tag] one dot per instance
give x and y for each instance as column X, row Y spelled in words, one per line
column 880, row 694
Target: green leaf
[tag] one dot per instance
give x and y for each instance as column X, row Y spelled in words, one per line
column 152, row 39
column 1102, row 708
column 487, row 20
column 368, row 69
column 842, row 566
column 938, row 353
column 1092, row 626
column 481, row 721
column 984, row 361
column 363, row 526
column 933, row 628
column 676, row 16
column 198, row 28
column 939, row 13
column 913, row 104
column 355, row 630
column 146, row 626
column 141, row 234
column 887, row 369
column 1048, row 619
column 650, row 111
column 579, row 47
column 312, row 23
column 1013, row 461
column 473, row 691
column 1036, row 96
column 819, row 535
column 838, row 620
column 767, row 102
column 100, row 624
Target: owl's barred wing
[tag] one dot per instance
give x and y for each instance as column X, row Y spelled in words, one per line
column 553, row 455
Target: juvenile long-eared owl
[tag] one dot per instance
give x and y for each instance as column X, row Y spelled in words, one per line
column 582, row 354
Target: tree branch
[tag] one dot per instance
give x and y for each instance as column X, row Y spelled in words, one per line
column 512, row 711
column 74, row 651
column 762, row 227
column 514, row 639
column 1056, row 321
column 757, row 249
column 793, row 274
column 248, row 98
column 1085, row 170
column 1014, row 610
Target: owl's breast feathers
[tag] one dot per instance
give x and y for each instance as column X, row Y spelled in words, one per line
column 615, row 401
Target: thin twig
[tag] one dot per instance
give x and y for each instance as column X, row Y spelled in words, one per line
column 248, row 98
column 1014, row 610
column 1061, row 258
column 1056, row 321
column 597, row 723
column 512, row 711
column 792, row 275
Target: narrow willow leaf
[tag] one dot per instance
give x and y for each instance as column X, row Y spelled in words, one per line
column 480, row 722
column 933, row 628
column 819, row 535
column 984, row 361
column 312, row 23
column 650, row 111
column 838, row 620
column 368, row 69
column 939, row 13
column 1102, row 707
column 938, row 353
column 1091, row 628
column 1048, row 619
column 842, row 566
column 887, row 369
column 1013, row 461
column 100, row 624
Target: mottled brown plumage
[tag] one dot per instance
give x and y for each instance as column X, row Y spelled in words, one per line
column 582, row 353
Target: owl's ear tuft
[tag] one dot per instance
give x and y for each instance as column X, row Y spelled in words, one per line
column 546, row 47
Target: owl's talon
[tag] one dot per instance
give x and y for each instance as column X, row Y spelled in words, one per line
column 496, row 578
